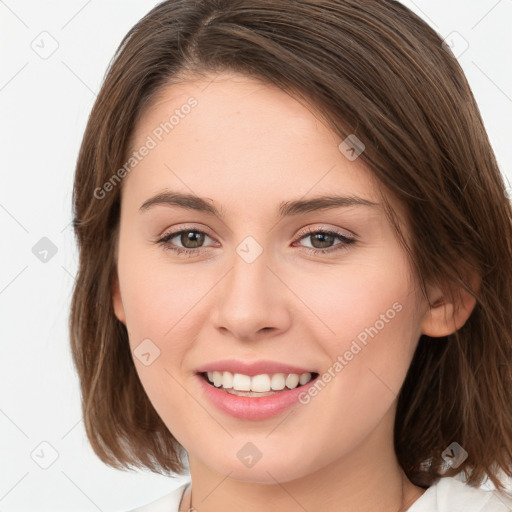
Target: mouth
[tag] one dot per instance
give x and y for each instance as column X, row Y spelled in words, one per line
column 255, row 390
column 261, row 385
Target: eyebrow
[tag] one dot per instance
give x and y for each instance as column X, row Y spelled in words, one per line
column 286, row 208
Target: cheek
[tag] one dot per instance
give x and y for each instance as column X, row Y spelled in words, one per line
column 156, row 305
column 373, row 355
column 366, row 297
column 158, row 297
column 371, row 312
column 163, row 308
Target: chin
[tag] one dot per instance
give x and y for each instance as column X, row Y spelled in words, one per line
column 276, row 467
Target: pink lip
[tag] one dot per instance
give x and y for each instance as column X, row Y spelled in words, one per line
column 251, row 369
column 252, row 408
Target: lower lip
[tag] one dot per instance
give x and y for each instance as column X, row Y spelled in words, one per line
column 253, row 408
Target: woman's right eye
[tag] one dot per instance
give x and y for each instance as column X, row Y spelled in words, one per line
column 184, row 238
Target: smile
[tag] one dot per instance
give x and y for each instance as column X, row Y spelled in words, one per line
column 254, row 397
column 258, row 384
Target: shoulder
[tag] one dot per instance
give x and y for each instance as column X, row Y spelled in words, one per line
column 168, row 503
column 449, row 494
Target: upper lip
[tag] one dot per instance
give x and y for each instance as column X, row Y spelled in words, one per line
column 252, row 368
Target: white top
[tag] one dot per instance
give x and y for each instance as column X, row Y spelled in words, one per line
column 446, row 495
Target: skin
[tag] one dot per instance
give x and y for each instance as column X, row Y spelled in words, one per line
column 248, row 146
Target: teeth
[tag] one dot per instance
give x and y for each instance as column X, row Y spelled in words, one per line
column 304, row 378
column 241, row 382
column 278, row 381
column 292, row 381
column 217, row 379
column 258, row 383
column 227, row 380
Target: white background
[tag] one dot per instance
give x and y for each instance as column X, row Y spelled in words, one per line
column 45, row 104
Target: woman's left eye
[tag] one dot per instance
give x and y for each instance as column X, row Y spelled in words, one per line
column 193, row 243
column 326, row 237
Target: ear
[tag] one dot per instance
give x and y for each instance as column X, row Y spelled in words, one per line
column 117, row 302
column 450, row 309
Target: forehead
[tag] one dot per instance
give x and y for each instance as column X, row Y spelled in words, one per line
column 232, row 136
column 234, row 104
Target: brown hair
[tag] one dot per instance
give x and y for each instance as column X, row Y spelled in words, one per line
column 371, row 68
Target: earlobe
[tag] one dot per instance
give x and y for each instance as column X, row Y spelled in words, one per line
column 117, row 302
column 448, row 313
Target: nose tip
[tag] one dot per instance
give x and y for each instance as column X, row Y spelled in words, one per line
column 250, row 304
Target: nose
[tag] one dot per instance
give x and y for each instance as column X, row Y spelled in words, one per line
column 252, row 300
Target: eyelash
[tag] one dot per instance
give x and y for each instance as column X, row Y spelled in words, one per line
column 346, row 241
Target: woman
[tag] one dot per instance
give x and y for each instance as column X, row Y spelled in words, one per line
column 295, row 248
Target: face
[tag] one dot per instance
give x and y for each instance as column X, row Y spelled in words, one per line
column 299, row 289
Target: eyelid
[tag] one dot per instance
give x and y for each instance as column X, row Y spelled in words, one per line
column 187, row 226
column 308, row 230
column 344, row 240
column 315, row 229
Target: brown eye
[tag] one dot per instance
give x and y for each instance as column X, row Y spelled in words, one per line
column 191, row 239
column 322, row 241
column 188, row 241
